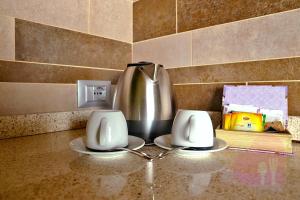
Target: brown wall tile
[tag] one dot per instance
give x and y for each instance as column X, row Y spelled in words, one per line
column 199, row 96
column 7, row 37
column 41, row 43
column 266, row 70
column 45, row 73
column 293, row 95
column 268, row 37
column 194, row 14
column 153, row 18
column 209, row 96
column 296, row 72
column 216, row 118
column 71, row 14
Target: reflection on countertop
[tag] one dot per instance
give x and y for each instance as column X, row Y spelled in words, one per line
column 43, row 166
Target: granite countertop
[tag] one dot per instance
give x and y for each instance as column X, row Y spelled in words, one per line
column 43, row 166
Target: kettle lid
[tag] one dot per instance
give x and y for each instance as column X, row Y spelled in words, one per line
column 149, row 69
column 139, row 64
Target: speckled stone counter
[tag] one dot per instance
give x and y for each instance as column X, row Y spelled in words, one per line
column 44, row 167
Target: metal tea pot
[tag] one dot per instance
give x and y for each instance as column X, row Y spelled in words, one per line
column 144, row 95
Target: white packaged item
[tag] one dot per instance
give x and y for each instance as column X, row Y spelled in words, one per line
column 240, row 108
column 273, row 115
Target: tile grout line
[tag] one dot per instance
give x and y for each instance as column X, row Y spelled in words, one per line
column 63, row 65
column 36, row 83
column 169, row 68
column 234, row 62
column 208, row 83
column 233, row 82
column 89, row 17
column 191, row 48
column 14, row 33
column 176, row 17
column 47, row 113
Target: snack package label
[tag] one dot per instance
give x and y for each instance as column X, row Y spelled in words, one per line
column 241, row 121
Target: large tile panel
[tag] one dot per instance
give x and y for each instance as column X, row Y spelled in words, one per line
column 194, row 14
column 209, row 96
column 266, row 70
column 153, row 18
column 296, row 72
column 200, row 96
column 32, row 98
column 11, row 71
column 7, row 37
column 216, row 118
column 40, row 43
column 111, row 19
column 72, row 14
column 26, row 98
column 273, row 36
column 171, row 51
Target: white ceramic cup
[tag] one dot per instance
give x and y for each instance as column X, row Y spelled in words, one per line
column 192, row 128
column 106, row 129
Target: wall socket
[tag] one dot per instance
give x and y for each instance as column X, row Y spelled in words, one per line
column 92, row 93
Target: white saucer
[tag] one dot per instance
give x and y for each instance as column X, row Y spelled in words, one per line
column 79, row 146
column 164, row 142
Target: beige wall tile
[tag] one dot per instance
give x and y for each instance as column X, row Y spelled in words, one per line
column 111, row 19
column 72, row 14
column 7, row 38
column 272, row 36
column 171, row 51
column 25, row 98
column 32, row 98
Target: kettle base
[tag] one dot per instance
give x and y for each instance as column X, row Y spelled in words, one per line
column 149, row 130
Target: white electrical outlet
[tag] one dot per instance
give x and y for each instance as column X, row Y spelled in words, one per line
column 95, row 93
column 92, row 93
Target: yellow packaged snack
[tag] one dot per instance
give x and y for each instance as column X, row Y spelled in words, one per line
column 242, row 121
column 226, row 121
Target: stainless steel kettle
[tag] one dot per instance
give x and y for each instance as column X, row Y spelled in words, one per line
column 144, row 95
